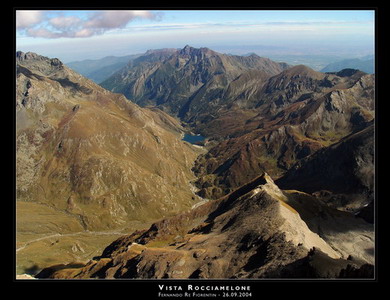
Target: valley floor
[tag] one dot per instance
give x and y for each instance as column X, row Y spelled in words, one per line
column 46, row 237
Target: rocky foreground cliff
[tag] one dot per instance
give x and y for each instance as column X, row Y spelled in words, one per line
column 258, row 231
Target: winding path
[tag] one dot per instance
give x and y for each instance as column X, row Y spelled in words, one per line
column 70, row 234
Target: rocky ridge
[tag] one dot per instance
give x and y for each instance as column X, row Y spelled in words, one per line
column 258, row 231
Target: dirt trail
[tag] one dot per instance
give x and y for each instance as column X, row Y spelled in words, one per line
column 70, row 234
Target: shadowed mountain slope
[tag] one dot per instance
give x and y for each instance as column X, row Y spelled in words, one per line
column 342, row 173
column 309, row 116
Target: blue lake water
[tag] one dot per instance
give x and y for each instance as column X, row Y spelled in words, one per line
column 193, row 138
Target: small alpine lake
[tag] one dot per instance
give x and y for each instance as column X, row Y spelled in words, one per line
column 193, row 138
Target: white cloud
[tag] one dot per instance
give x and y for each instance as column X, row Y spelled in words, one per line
column 115, row 18
column 64, row 22
column 33, row 23
column 28, row 18
column 40, row 32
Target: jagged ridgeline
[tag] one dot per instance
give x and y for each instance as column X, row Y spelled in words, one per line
column 188, row 81
column 90, row 160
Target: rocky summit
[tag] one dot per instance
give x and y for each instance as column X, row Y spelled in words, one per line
column 281, row 186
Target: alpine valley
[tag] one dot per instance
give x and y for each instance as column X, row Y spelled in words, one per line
column 281, row 186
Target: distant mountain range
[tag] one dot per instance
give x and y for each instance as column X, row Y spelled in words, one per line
column 100, row 69
column 365, row 64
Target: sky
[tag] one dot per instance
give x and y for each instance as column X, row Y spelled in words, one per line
column 72, row 35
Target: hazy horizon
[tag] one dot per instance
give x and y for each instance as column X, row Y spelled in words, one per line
column 73, row 35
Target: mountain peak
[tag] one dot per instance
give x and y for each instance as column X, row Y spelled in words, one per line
column 161, row 51
column 267, row 185
column 264, row 179
column 33, row 57
column 347, row 72
column 188, row 50
column 22, row 56
column 41, row 64
column 302, row 70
